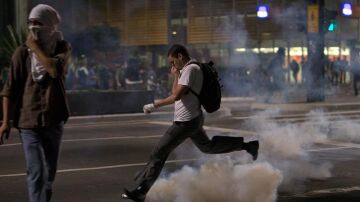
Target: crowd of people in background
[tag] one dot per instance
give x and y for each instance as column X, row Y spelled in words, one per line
column 104, row 72
column 337, row 70
column 96, row 74
column 277, row 76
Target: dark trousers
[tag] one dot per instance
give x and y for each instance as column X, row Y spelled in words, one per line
column 174, row 136
column 41, row 148
column 335, row 78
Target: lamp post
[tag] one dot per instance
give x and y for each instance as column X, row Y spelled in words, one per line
column 315, row 84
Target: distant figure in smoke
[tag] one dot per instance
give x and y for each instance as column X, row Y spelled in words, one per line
column 82, row 73
column 188, row 123
column 355, row 68
column 336, row 71
column 103, row 76
column 70, row 75
column 133, row 75
column 120, row 75
column 304, row 69
column 294, row 67
column 276, row 72
column 35, row 90
column 344, row 65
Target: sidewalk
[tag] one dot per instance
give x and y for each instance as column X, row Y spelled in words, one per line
column 335, row 100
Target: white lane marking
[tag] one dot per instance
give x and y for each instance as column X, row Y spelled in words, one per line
column 300, row 115
column 218, row 129
column 108, row 123
column 342, row 144
column 10, row 145
column 339, row 145
column 112, row 138
column 228, row 99
column 290, row 119
column 328, row 191
column 101, row 167
column 331, row 119
column 327, row 149
column 96, row 139
column 117, row 115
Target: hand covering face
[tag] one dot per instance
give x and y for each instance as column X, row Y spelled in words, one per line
column 46, row 34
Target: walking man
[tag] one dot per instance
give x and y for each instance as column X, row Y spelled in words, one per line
column 35, row 91
column 188, row 123
column 294, row 67
column 276, row 73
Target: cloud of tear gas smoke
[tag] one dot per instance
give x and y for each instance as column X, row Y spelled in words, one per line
column 219, row 180
column 236, row 77
column 285, row 146
column 345, row 131
column 250, row 73
column 284, row 163
column 289, row 140
column 295, row 13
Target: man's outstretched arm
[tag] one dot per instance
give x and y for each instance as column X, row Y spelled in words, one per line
column 177, row 92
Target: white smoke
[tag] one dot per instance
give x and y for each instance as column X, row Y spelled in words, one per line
column 285, row 161
column 219, row 180
column 285, row 146
column 345, row 131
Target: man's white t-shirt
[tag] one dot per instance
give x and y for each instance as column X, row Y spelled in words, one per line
column 188, row 107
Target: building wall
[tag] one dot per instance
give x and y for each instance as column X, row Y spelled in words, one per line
column 6, row 15
column 147, row 22
column 141, row 22
column 221, row 26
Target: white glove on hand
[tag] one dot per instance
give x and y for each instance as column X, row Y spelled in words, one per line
column 149, row 108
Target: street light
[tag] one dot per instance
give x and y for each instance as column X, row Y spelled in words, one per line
column 332, row 26
column 330, row 21
column 347, row 9
column 262, row 11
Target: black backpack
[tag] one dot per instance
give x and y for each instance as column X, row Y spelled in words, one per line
column 210, row 94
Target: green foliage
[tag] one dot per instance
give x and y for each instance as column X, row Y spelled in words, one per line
column 9, row 43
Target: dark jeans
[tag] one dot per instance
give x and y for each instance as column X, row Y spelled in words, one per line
column 41, row 148
column 174, row 136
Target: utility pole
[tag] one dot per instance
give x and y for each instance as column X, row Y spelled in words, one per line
column 315, row 84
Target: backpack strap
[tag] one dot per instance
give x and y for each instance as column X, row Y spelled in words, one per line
column 191, row 90
column 197, row 95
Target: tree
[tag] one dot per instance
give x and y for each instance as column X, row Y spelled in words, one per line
column 9, row 43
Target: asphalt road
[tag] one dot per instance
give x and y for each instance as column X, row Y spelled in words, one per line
column 100, row 156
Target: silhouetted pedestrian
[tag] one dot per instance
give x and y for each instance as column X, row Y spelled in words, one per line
column 294, row 67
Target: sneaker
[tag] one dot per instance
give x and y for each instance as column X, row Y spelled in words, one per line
column 253, row 148
column 133, row 195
